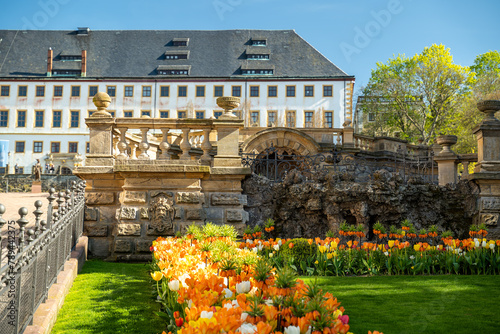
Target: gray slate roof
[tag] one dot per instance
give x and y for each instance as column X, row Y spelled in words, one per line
column 138, row 53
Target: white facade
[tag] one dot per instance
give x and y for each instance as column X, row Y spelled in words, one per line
column 255, row 110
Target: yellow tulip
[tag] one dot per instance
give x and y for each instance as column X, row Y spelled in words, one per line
column 391, row 243
column 329, row 256
column 417, row 247
column 334, row 245
column 156, row 275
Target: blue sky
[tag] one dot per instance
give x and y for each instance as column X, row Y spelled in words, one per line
column 353, row 34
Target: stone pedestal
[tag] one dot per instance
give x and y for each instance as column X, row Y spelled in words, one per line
column 36, row 187
column 228, row 143
column 447, row 160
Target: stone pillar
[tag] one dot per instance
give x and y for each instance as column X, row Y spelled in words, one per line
column 487, row 171
column 101, row 133
column 447, row 160
column 348, row 135
column 228, row 132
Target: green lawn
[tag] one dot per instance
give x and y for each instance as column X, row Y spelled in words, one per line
column 110, row 298
column 418, row 304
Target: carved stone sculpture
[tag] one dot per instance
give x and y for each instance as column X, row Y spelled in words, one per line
column 162, row 213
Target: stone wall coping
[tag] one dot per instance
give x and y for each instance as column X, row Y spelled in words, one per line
column 46, row 314
column 493, row 176
column 157, row 168
column 231, row 170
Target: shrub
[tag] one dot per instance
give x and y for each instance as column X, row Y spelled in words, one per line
column 302, row 254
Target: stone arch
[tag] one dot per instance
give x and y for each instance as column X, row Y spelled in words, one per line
column 290, row 139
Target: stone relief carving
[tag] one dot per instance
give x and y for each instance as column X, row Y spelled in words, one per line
column 162, row 214
column 490, row 219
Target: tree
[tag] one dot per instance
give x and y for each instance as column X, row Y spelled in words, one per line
column 415, row 96
column 485, row 85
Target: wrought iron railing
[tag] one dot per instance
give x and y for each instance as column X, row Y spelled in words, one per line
column 32, row 256
column 275, row 165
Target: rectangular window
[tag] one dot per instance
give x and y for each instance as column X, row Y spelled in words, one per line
column 111, row 91
column 200, row 115
column 290, row 91
column 272, row 91
column 308, row 90
column 308, row 119
column 128, row 114
column 37, row 146
column 200, row 91
column 5, row 91
column 58, row 90
column 181, row 114
column 259, row 42
column 19, row 147
column 129, row 91
column 87, row 147
column 39, row 118
column 371, row 117
column 271, row 118
column 290, row 118
column 21, row 118
column 92, row 91
column 146, row 91
column 22, row 91
column 145, row 113
column 217, row 114
column 254, row 118
column 327, row 91
column 19, row 170
column 40, row 91
column 56, row 118
column 163, row 113
column 236, row 91
column 164, row 91
column 73, row 147
column 4, row 118
column 75, row 119
column 91, row 112
column 55, row 147
column 112, row 113
column 75, row 91
column 218, row 91
column 254, row 91
column 328, row 119
column 182, row 91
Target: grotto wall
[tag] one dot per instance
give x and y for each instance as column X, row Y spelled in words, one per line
column 309, row 207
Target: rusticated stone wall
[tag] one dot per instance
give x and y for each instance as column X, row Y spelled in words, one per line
column 311, row 208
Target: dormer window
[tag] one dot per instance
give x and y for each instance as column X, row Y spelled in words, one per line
column 176, row 55
column 82, row 31
column 257, row 72
column 258, row 56
column 180, row 41
column 70, row 58
column 67, row 73
column 259, row 42
column 173, row 70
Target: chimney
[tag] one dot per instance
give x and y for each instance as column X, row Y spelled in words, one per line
column 49, row 62
column 84, row 63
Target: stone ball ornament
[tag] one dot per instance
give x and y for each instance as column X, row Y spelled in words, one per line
column 101, row 101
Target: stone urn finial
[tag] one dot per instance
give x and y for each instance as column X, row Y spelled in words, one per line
column 228, row 103
column 347, row 123
column 489, row 107
column 101, row 101
column 446, row 141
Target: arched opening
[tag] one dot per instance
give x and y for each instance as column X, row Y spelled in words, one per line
column 66, row 171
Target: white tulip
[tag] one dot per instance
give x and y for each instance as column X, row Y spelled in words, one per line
column 243, row 287
column 270, row 254
column 247, row 329
column 228, row 293
column 483, row 244
column 292, row 330
column 276, row 247
column 173, row 285
column 206, row 315
column 244, row 316
column 492, row 246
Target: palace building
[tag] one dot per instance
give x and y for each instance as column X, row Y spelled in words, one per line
column 48, row 80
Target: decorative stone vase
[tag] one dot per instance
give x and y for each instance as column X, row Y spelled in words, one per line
column 228, row 103
column 446, row 141
column 489, row 107
column 101, row 101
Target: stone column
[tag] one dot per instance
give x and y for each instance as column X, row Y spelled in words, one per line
column 228, row 132
column 447, row 160
column 487, row 171
column 101, row 133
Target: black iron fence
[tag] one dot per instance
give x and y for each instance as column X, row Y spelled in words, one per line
column 275, row 164
column 33, row 254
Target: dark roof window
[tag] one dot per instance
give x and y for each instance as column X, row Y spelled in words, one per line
column 66, row 73
column 84, row 31
column 259, row 42
column 176, row 55
column 173, row 70
column 257, row 72
column 180, row 41
column 258, row 56
column 70, row 57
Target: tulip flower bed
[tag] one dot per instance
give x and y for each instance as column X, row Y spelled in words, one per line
column 213, row 286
